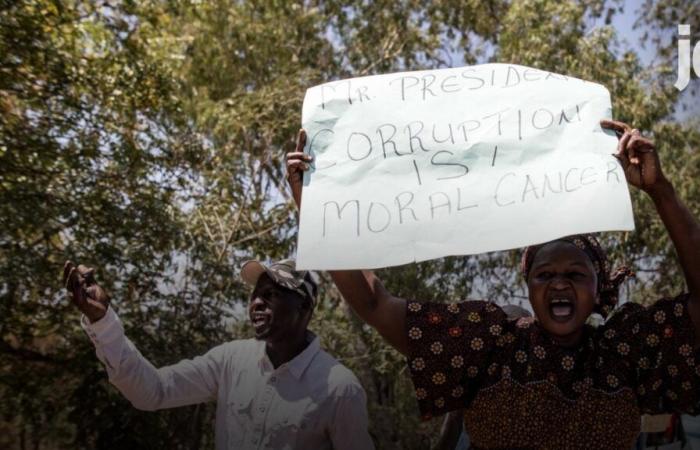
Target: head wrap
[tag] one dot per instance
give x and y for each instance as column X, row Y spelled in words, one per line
column 608, row 282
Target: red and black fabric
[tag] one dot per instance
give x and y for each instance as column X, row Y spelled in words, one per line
column 510, row 375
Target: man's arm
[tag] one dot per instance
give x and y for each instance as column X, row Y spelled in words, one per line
column 363, row 291
column 146, row 387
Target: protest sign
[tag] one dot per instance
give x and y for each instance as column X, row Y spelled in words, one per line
column 419, row 165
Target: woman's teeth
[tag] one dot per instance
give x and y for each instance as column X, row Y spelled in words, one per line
column 561, row 307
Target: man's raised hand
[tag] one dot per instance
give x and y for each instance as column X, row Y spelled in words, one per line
column 85, row 293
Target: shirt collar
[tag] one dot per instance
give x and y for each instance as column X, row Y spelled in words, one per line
column 298, row 365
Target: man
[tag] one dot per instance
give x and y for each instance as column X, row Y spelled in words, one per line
column 277, row 391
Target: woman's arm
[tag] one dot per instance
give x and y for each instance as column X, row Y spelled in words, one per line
column 642, row 167
column 684, row 230
column 363, row 291
column 367, row 296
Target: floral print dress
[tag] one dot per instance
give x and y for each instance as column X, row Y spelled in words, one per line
column 518, row 389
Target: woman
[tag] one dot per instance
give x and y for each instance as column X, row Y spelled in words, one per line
column 555, row 382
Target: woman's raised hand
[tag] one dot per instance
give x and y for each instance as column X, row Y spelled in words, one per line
column 638, row 157
column 297, row 163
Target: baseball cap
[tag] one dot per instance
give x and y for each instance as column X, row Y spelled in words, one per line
column 283, row 273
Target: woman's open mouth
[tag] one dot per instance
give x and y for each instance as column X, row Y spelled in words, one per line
column 561, row 309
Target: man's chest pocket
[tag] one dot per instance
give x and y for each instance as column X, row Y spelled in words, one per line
column 297, row 425
column 241, row 421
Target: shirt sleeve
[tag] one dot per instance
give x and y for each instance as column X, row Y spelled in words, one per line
column 148, row 388
column 450, row 347
column 659, row 345
column 350, row 427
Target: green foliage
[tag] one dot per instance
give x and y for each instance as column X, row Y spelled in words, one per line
column 147, row 139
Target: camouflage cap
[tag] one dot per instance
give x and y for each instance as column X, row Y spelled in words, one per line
column 283, row 273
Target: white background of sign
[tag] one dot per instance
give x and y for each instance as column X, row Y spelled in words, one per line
column 468, row 160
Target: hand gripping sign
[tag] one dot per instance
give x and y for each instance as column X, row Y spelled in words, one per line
column 419, row 165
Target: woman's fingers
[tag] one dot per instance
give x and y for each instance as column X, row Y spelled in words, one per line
column 621, row 154
column 301, row 140
column 296, row 165
column 297, row 162
column 631, row 150
column 292, row 156
column 622, row 145
column 641, row 144
column 631, row 141
column 618, row 127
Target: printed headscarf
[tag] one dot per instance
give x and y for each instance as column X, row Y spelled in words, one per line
column 608, row 281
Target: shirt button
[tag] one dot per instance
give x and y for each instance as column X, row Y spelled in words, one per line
column 273, row 379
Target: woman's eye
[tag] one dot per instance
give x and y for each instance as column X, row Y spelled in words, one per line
column 576, row 275
column 544, row 275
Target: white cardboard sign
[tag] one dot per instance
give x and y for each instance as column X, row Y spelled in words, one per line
column 419, row 165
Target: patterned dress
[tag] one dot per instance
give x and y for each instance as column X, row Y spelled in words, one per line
column 518, row 389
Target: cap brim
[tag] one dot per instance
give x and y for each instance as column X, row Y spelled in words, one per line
column 251, row 271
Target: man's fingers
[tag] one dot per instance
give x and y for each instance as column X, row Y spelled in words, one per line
column 74, row 286
column 86, row 271
column 96, row 304
column 96, row 293
column 90, row 292
column 67, row 267
column 301, row 140
column 71, row 281
column 618, row 127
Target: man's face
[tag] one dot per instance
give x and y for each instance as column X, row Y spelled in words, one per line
column 562, row 287
column 275, row 312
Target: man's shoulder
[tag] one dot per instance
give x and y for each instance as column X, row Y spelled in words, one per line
column 341, row 380
column 237, row 348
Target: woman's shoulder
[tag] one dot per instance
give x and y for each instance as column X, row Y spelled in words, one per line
column 463, row 306
column 664, row 310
